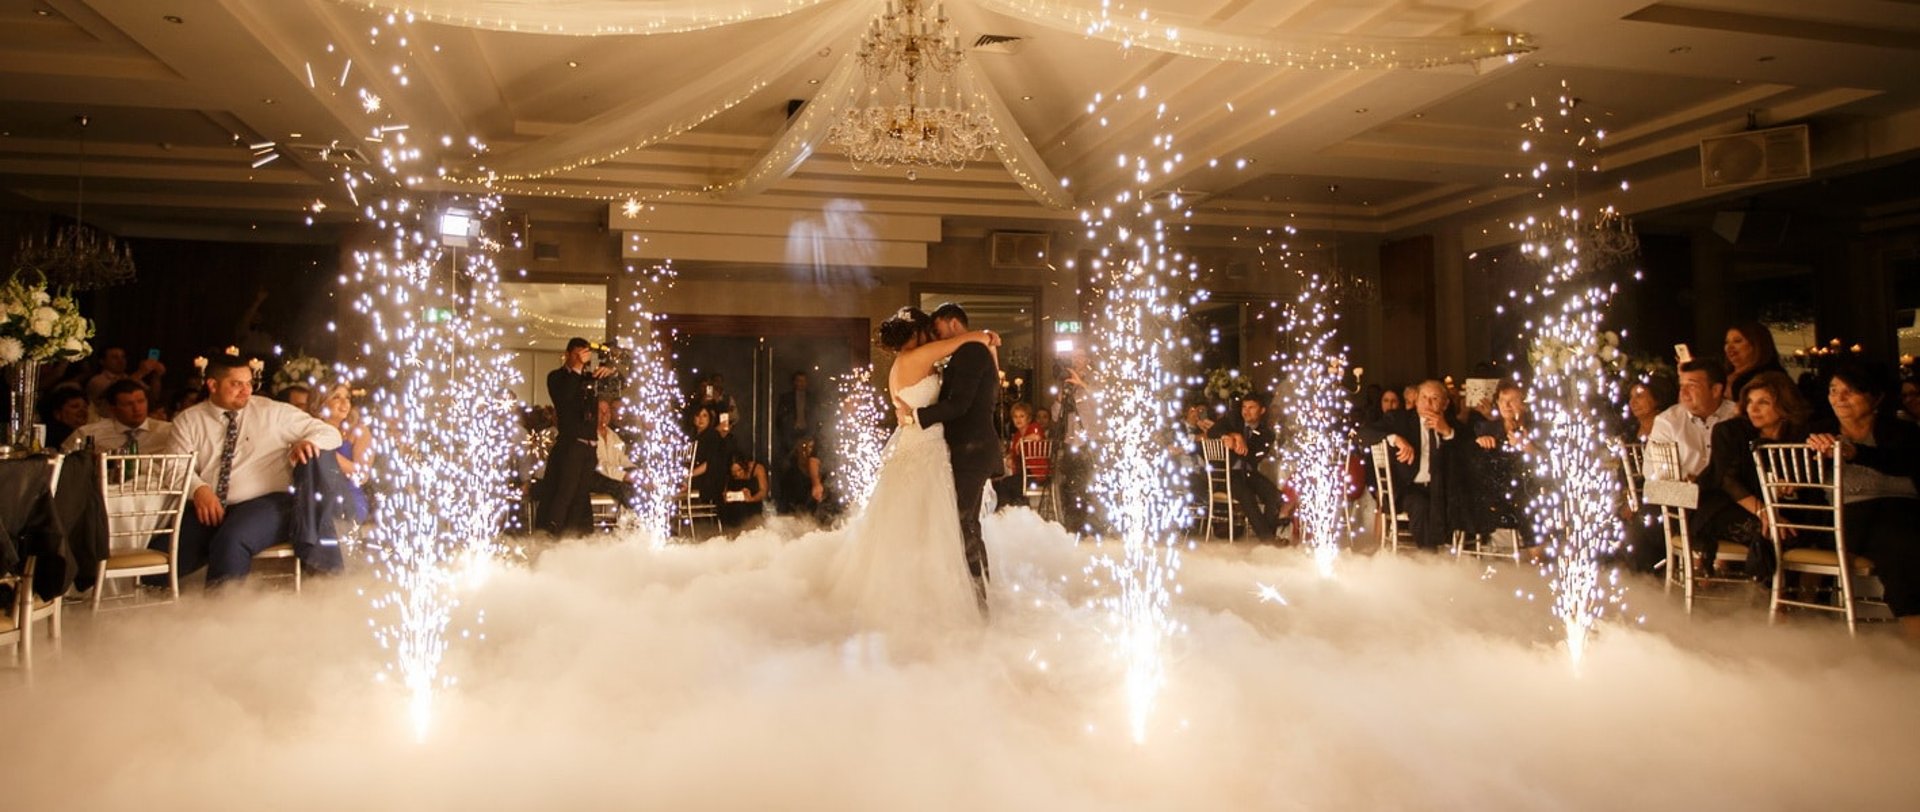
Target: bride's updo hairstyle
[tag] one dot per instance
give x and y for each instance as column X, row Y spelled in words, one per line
column 901, row 328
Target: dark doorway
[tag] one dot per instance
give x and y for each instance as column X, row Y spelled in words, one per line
column 756, row 356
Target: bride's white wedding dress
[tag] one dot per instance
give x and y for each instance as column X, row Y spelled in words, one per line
column 903, row 567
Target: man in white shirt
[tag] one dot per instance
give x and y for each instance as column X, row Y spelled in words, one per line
column 1689, row 423
column 244, row 451
column 126, row 428
column 610, row 455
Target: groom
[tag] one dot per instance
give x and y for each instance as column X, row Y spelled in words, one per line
column 966, row 406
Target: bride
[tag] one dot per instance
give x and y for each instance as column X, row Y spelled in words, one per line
column 904, row 565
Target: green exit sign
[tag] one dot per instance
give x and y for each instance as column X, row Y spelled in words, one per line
column 1063, row 327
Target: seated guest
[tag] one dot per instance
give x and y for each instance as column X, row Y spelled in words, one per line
column 1645, row 401
column 1750, row 351
column 63, row 410
column 1910, row 400
column 1010, row 490
column 113, row 368
column 297, row 395
column 1427, row 467
column 1251, row 440
column 244, row 451
column 709, row 459
column 611, row 467
column 126, row 429
column 1882, row 507
column 1689, row 423
column 355, row 453
column 1504, row 438
column 1731, row 508
column 802, row 487
column 746, row 492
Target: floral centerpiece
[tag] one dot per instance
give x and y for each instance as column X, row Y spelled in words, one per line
column 300, row 370
column 39, row 325
column 1549, row 354
column 1226, row 385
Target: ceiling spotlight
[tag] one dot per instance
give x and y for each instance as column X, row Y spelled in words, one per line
column 1764, row 59
column 813, row 81
column 1026, row 98
column 1680, row 49
column 43, row 12
column 266, row 101
column 573, row 63
column 175, row 19
column 1359, row 110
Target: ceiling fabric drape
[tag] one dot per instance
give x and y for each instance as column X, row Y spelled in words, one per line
column 1175, row 33
column 640, row 124
column 590, row 18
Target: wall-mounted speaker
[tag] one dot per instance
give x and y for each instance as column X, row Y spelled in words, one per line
column 1020, row 249
column 1755, row 156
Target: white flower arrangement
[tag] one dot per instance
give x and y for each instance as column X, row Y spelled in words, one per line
column 39, row 325
column 1549, row 354
column 1226, row 385
column 300, row 370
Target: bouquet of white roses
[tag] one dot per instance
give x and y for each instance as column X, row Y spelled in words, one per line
column 300, row 370
column 39, row 325
column 1226, row 385
column 1600, row 355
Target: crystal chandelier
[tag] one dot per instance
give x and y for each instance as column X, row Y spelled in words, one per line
column 1346, row 286
column 914, row 114
column 1602, row 241
column 77, row 256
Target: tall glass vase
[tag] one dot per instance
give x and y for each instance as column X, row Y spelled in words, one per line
column 23, row 382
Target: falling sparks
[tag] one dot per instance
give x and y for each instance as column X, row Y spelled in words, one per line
column 1315, row 406
column 649, row 406
column 857, row 436
column 1136, row 398
column 441, row 398
column 1577, row 368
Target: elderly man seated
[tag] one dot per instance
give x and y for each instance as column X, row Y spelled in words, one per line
column 245, row 449
column 126, row 429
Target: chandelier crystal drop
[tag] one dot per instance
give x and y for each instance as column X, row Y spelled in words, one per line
column 915, row 114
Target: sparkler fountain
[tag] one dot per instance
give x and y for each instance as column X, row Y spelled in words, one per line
column 1577, row 369
column 1136, row 399
column 650, row 403
column 442, row 386
column 857, row 435
column 1317, row 430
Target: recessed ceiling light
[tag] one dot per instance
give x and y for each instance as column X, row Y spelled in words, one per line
column 1026, row 98
column 1359, row 110
column 175, row 19
column 813, row 81
column 1419, row 115
column 266, row 101
column 43, row 12
column 571, row 63
column 1764, row 59
column 1680, row 49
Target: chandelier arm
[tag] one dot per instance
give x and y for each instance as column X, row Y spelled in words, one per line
column 589, row 18
column 1203, row 39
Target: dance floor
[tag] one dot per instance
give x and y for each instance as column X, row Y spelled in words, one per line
column 608, row 675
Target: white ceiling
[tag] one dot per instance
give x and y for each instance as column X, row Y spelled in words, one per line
column 173, row 107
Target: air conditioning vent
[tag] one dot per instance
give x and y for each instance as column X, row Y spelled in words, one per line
column 1758, row 156
column 998, row 44
column 1020, row 249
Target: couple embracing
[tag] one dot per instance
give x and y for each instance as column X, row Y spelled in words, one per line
column 915, row 558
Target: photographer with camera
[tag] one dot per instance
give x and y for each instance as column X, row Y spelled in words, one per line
column 570, row 465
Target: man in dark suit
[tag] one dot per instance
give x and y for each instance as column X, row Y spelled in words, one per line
column 968, row 392
column 564, row 507
column 1250, row 439
column 1428, row 452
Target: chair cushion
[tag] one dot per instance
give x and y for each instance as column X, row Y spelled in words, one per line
column 1732, row 551
column 131, row 559
column 1820, row 557
column 281, row 550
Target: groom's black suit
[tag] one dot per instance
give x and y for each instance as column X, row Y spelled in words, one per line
column 967, row 397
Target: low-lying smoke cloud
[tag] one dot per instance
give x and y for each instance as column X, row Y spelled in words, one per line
column 714, row 676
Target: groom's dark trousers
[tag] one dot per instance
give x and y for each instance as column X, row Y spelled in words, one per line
column 966, row 406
